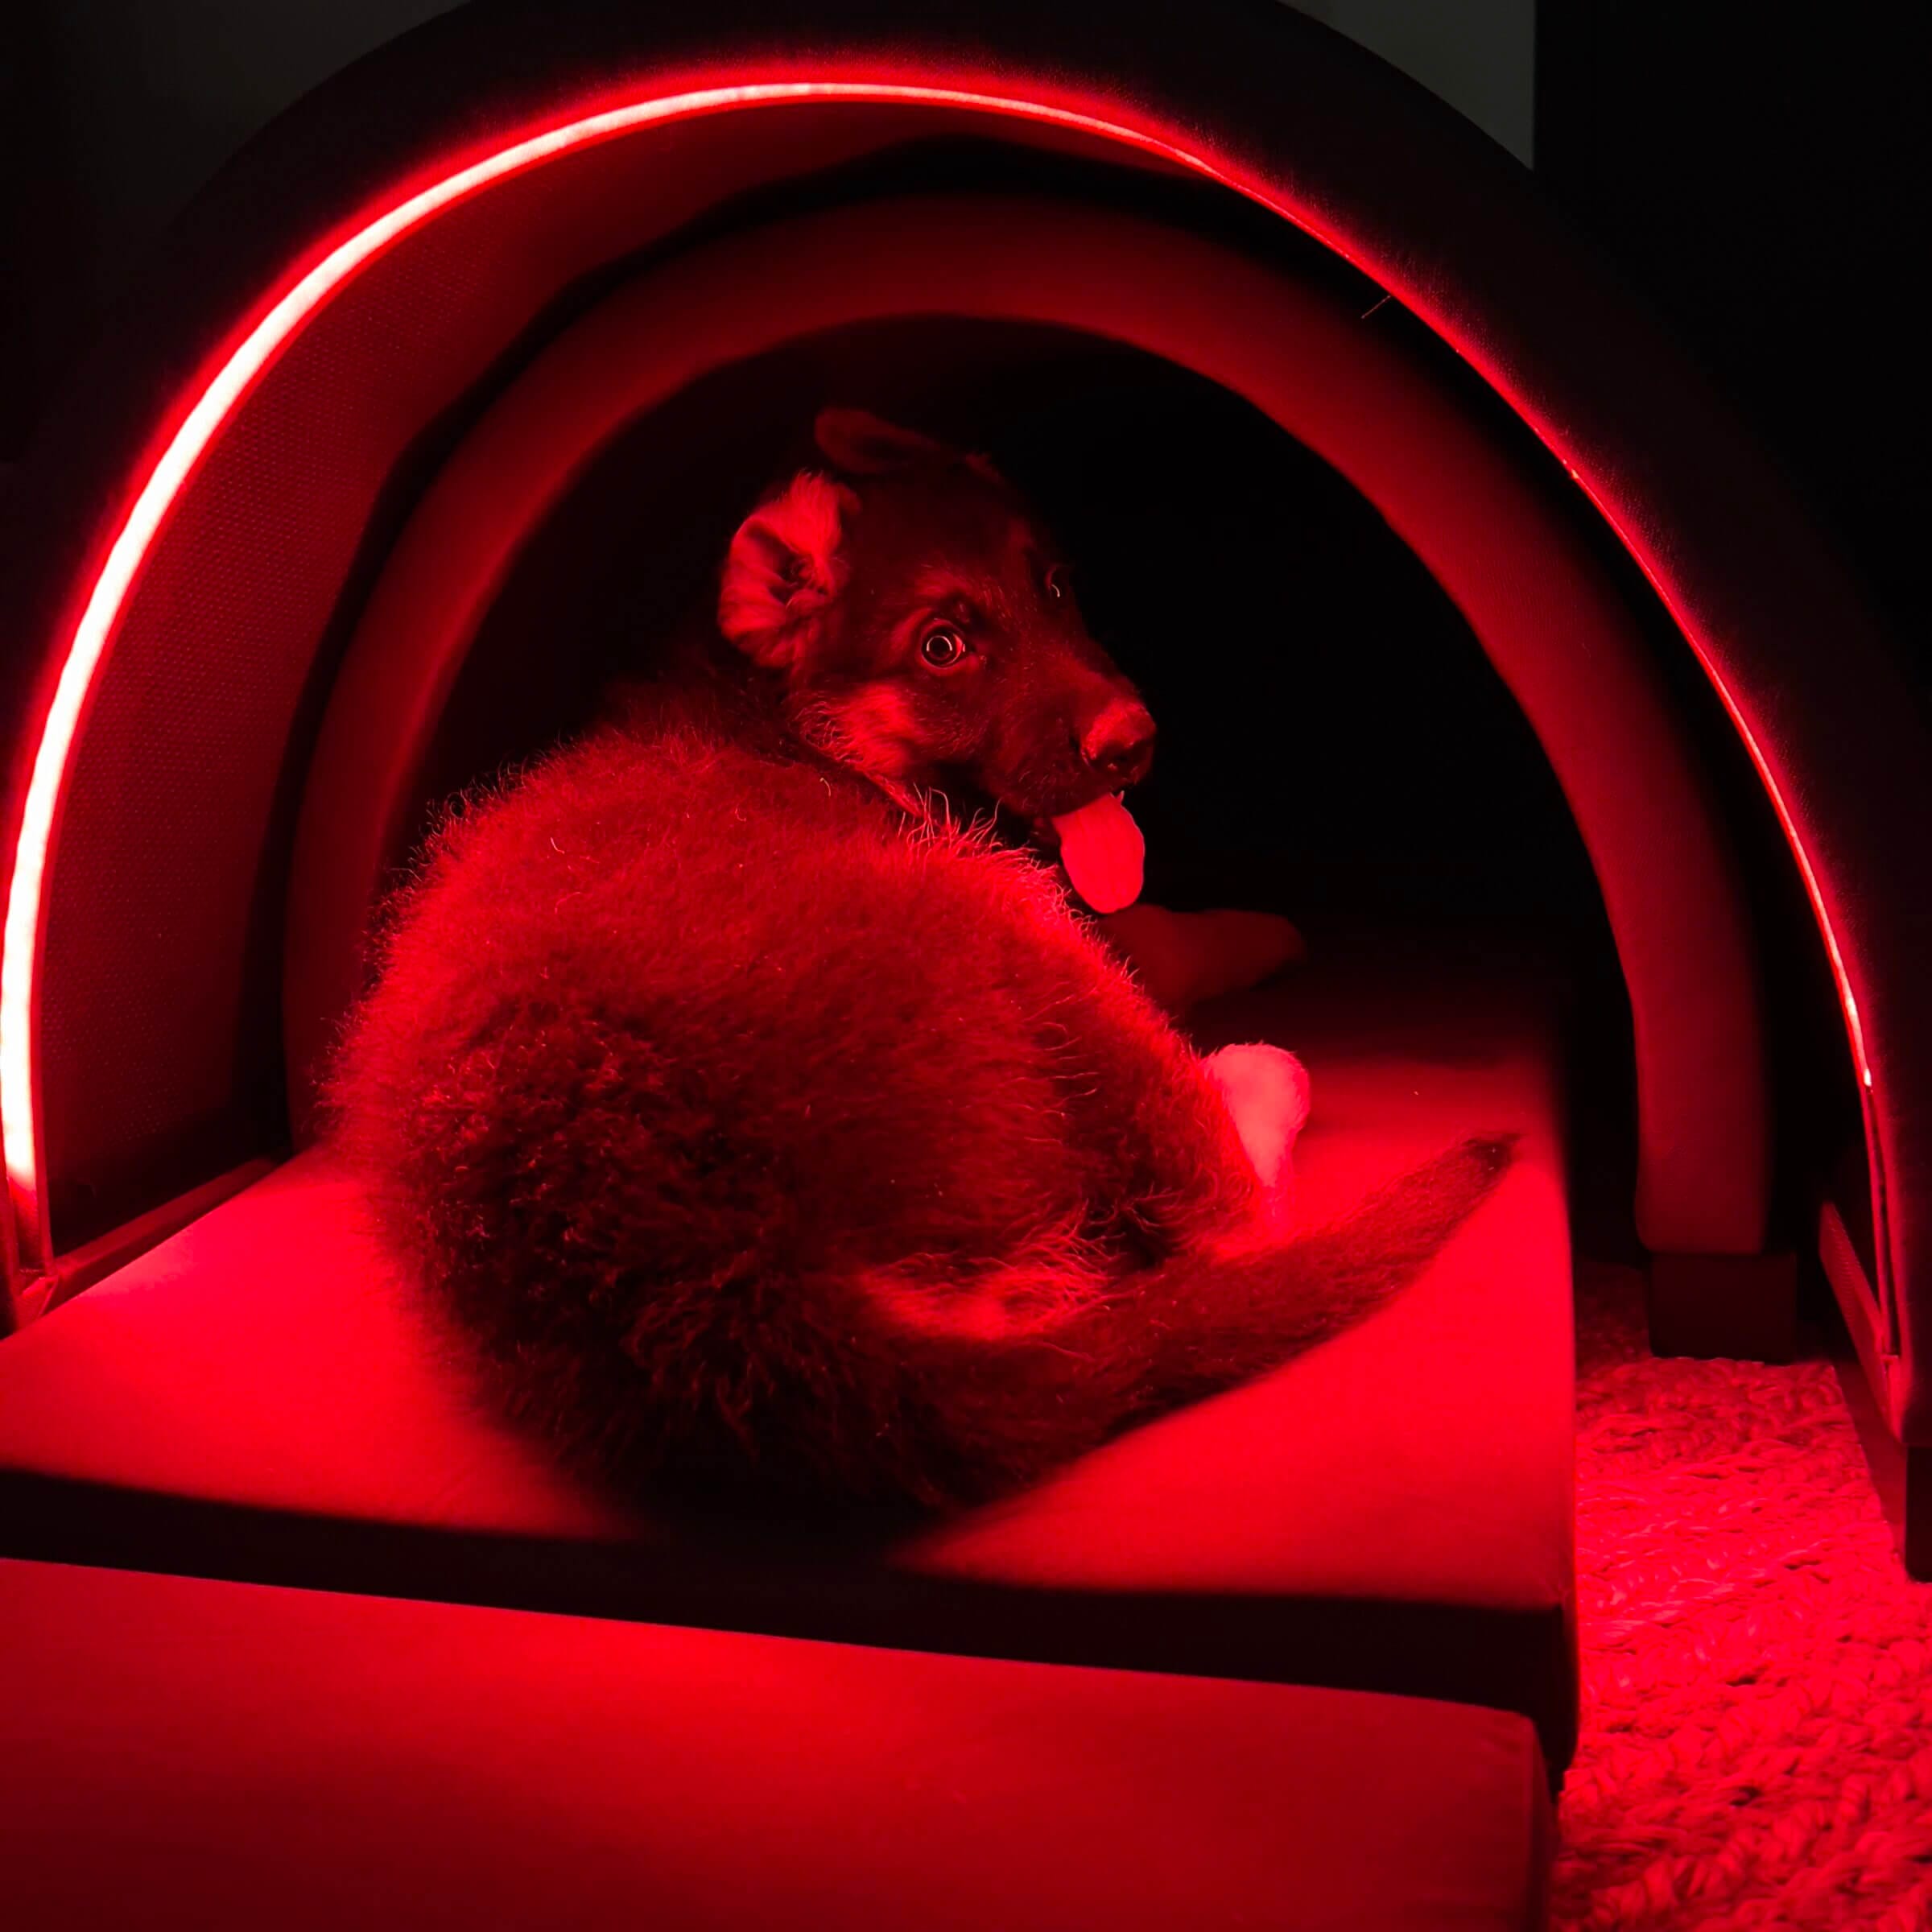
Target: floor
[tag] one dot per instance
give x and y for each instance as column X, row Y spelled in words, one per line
column 1757, row 1671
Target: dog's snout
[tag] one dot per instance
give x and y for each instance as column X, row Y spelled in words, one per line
column 1119, row 743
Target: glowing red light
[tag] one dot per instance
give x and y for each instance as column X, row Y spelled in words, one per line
column 225, row 389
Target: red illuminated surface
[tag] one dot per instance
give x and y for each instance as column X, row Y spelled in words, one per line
column 208, row 408
column 585, row 1764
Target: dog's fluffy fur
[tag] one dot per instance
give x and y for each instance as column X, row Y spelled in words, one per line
column 745, row 1133
column 752, row 1124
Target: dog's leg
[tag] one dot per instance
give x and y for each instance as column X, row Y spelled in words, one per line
column 1267, row 1093
column 1183, row 958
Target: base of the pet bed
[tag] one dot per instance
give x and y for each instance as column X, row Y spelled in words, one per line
column 1740, row 1306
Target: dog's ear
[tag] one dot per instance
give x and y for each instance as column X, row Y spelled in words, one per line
column 865, row 445
column 784, row 569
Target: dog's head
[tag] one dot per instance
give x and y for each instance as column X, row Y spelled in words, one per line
column 926, row 634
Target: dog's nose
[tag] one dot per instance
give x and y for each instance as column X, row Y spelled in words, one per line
column 1119, row 743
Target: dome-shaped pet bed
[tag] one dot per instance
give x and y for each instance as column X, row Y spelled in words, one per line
column 290, row 566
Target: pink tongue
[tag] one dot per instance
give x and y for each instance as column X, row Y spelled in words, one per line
column 1102, row 849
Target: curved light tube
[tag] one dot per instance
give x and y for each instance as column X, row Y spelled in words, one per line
column 225, row 389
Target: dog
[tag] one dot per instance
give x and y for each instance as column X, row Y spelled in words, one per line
column 759, row 1118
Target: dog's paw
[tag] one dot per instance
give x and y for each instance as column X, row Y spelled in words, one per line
column 1183, row 958
column 1240, row 949
column 1267, row 1093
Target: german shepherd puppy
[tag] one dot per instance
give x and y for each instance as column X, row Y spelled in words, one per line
column 755, row 1121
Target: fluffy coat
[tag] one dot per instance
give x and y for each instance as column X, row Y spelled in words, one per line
column 750, row 1128
column 744, row 1134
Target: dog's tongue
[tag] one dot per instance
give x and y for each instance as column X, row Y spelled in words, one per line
column 1103, row 851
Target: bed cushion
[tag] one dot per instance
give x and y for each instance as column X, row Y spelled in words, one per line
column 213, row 1755
column 253, row 1399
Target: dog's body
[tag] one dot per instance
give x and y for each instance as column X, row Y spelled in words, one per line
column 748, row 1130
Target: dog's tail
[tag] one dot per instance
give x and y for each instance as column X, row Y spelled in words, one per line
column 1041, row 1361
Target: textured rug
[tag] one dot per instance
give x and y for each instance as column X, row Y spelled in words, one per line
column 1757, row 1673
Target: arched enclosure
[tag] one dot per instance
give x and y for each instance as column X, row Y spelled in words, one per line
column 1556, row 634
column 433, row 299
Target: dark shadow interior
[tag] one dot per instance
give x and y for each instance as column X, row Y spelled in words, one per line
column 1333, row 742
column 1335, row 745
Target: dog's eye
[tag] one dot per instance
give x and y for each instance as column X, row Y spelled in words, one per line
column 1056, row 582
column 942, row 648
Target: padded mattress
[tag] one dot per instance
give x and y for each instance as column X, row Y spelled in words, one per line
column 253, row 1399
column 215, row 1755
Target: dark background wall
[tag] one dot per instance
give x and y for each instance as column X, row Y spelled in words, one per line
column 1761, row 171
column 1764, row 174
column 116, row 111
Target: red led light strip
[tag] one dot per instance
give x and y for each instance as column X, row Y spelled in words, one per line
column 225, row 390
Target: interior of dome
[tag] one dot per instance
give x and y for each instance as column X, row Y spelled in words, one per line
column 1335, row 746
column 1313, row 683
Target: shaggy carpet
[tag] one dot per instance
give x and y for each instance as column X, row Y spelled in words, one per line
column 1757, row 1672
